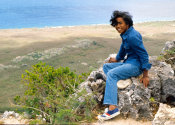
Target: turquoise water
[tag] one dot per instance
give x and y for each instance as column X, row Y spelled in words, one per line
column 51, row 13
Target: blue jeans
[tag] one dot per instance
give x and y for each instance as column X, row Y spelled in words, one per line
column 115, row 72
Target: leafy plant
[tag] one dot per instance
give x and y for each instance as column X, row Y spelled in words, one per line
column 54, row 94
column 171, row 51
column 36, row 121
column 152, row 99
column 160, row 58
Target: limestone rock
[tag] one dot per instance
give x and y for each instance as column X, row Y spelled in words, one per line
column 168, row 91
column 8, row 114
column 168, row 53
column 135, row 100
column 165, row 115
column 96, row 75
column 168, row 46
column 95, row 83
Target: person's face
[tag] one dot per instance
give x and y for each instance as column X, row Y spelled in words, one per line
column 121, row 26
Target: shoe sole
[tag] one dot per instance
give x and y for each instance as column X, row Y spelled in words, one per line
column 109, row 117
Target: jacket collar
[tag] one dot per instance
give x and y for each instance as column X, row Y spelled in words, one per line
column 124, row 35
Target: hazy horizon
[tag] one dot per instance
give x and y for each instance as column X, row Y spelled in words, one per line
column 43, row 13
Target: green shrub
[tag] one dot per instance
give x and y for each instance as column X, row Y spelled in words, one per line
column 168, row 54
column 172, row 51
column 36, row 121
column 53, row 94
column 160, row 58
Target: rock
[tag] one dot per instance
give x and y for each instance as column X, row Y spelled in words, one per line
column 168, row 53
column 27, row 115
column 8, row 114
column 85, row 86
column 10, row 117
column 99, row 74
column 163, row 82
column 83, row 63
column 135, row 100
column 153, row 60
column 23, row 65
column 169, row 45
column 168, row 90
column 165, row 115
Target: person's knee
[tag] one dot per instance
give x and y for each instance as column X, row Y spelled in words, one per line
column 110, row 74
column 105, row 68
column 113, row 74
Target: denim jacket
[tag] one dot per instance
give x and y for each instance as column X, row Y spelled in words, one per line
column 132, row 47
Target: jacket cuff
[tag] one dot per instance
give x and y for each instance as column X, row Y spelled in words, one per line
column 118, row 58
column 146, row 66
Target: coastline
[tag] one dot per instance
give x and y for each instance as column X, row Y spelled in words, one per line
column 105, row 24
column 67, row 33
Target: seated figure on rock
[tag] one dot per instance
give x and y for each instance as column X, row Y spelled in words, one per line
column 135, row 61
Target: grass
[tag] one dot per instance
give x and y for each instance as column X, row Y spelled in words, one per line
column 10, row 78
column 93, row 55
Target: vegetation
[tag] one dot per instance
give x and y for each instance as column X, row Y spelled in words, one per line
column 166, row 55
column 152, row 99
column 73, row 58
column 53, row 94
column 170, row 52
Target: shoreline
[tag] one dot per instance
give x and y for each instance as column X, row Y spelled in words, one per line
column 72, row 26
column 151, row 32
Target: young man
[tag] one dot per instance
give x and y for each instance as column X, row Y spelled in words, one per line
column 136, row 61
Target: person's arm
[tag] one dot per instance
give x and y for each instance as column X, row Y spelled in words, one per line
column 121, row 54
column 145, row 78
column 137, row 45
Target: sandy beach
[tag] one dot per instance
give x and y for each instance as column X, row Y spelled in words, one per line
column 11, row 38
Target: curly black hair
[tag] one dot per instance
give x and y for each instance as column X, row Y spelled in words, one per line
column 125, row 15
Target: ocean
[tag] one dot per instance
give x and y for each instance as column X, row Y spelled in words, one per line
column 53, row 13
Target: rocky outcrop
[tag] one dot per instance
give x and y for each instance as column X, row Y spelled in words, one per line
column 168, row 53
column 165, row 115
column 169, row 45
column 8, row 114
column 135, row 100
column 10, row 117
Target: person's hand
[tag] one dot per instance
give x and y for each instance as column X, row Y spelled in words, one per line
column 112, row 60
column 145, row 80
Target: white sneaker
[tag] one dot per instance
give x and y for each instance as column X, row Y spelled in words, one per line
column 106, row 110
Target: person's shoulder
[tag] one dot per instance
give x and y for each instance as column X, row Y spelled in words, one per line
column 133, row 31
column 134, row 34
